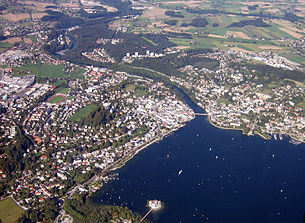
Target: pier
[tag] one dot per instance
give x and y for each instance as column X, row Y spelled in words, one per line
column 146, row 215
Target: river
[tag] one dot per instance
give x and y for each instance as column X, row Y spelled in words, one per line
column 226, row 177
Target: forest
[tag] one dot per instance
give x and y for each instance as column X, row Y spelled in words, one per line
column 267, row 74
column 171, row 63
column 62, row 21
column 85, row 210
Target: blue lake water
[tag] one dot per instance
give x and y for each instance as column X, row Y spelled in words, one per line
column 226, row 177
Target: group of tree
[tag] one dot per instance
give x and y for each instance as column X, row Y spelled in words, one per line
column 138, row 43
column 170, row 64
column 46, row 212
column 99, row 117
column 14, row 153
column 266, row 74
column 199, row 22
column 174, row 14
column 62, row 21
column 171, row 22
column 85, row 210
column 253, row 7
column 256, row 22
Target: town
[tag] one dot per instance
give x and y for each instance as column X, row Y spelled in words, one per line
column 76, row 105
column 67, row 147
column 237, row 99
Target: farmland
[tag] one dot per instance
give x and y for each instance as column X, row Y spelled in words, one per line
column 266, row 25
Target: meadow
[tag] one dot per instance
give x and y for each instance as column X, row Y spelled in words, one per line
column 9, row 211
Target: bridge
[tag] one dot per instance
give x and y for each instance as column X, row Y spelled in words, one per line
column 201, row 114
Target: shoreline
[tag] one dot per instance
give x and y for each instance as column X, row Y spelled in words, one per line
column 116, row 165
column 220, row 127
column 142, row 147
column 230, row 128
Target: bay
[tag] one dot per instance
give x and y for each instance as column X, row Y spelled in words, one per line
column 226, row 177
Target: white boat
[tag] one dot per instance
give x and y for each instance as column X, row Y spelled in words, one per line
column 180, row 171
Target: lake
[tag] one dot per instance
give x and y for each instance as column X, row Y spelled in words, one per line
column 226, row 177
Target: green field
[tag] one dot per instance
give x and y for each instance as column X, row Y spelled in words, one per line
column 83, row 112
column 9, row 211
column 57, row 99
column 302, row 105
column 47, row 70
column 150, row 41
column 42, row 70
column 78, row 73
column 5, row 46
column 294, row 58
column 63, row 90
column 33, row 38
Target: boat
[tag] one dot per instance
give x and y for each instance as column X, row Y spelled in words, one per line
column 180, row 171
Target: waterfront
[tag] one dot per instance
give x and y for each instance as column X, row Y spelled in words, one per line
column 227, row 177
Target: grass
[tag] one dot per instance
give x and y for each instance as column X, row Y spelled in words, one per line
column 150, row 41
column 63, row 91
column 130, row 87
column 301, row 105
column 78, row 73
column 5, row 46
column 42, row 70
column 9, row 211
column 47, row 70
column 83, row 112
column 33, row 38
column 294, row 58
column 245, row 47
column 180, row 41
column 57, row 99
column 141, row 93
